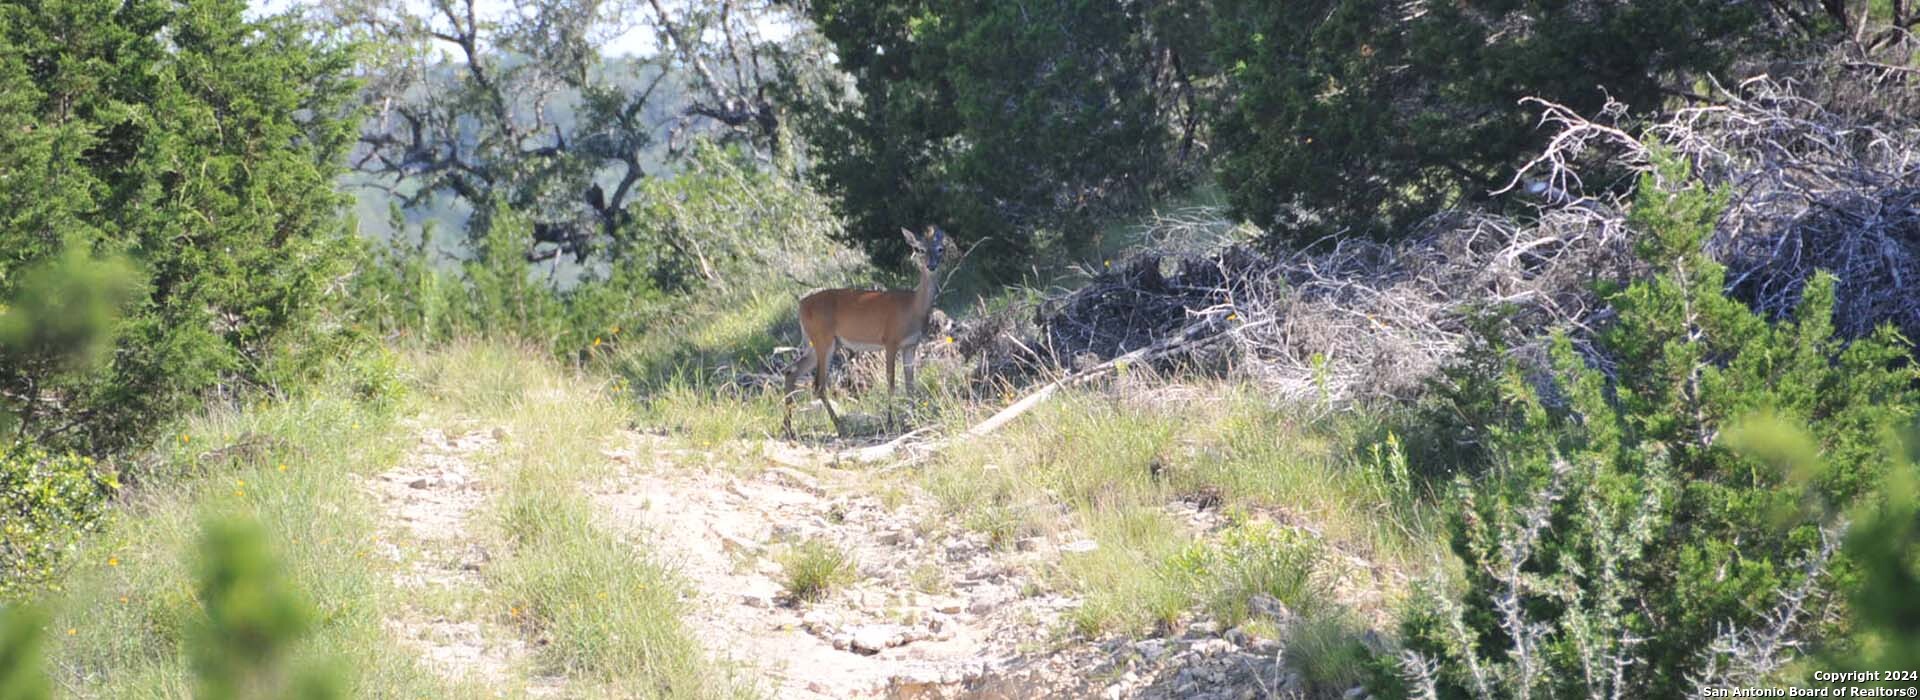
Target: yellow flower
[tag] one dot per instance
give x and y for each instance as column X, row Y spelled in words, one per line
column 283, row 466
column 113, row 561
column 71, row 631
column 123, row 599
column 237, row 493
column 613, row 331
column 239, row 482
column 596, row 342
column 185, row 438
column 1109, row 263
column 949, row 340
column 1233, row 317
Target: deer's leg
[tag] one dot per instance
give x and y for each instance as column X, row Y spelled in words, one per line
column 821, row 359
column 793, row 372
column 893, row 360
column 909, row 363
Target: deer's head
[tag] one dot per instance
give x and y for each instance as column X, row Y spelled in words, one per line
column 931, row 244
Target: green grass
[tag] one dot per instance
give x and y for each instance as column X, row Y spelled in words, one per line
column 609, row 613
column 1108, row 465
column 814, row 568
column 127, row 605
column 707, row 414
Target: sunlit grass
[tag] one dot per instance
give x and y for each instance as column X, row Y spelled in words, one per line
column 1110, row 464
column 127, row 604
column 610, row 613
column 814, row 568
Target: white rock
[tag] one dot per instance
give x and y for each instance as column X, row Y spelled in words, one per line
column 871, row 639
column 818, row 621
column 1080, row 546
column 1210, row 647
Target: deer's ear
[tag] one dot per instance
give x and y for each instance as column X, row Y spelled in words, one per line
column 912, row 240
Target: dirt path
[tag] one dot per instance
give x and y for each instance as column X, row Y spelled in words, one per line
column 933, row 613
column 431, row 500
column 927, row 617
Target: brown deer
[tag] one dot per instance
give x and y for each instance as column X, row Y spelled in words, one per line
column 894, row 321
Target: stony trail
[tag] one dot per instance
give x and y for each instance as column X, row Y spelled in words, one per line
column 925, row 618
column 431, row 501
column 934, row 612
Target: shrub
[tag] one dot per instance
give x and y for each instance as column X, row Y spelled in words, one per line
column 1885, row 544
column 21, row 674
column 254, row 617
column 1631, row 538
column 47, row 502
column 195, row 142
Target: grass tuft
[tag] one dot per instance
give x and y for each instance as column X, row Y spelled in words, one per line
column 814, row 568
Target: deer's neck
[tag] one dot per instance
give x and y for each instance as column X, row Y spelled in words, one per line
column 923, row 294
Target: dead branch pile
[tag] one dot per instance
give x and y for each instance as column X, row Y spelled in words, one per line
column 1812, row 189
column 1361, row 320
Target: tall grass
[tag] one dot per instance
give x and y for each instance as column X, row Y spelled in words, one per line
column 1110, row 466
column 610, row 613
column 126, row 609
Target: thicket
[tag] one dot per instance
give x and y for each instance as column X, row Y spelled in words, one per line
column 192, row 153
column 1637, row 531
column 1025, row 124
column 47, row 502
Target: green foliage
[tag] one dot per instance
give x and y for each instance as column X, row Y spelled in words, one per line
column 47, row 502
column 1885, row 545
column 198, row 144
column 254, row 617
column 58, row 327
column 21, row 634
column 1249, row 560
column 814, row 568
column 1643, row 518
column 720, row 227
column 1008, row 122
column 1357, row 114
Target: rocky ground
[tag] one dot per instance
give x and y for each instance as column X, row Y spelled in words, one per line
column 933, row 612
column 431, row 500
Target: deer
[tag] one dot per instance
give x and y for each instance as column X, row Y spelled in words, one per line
column 894, row 321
